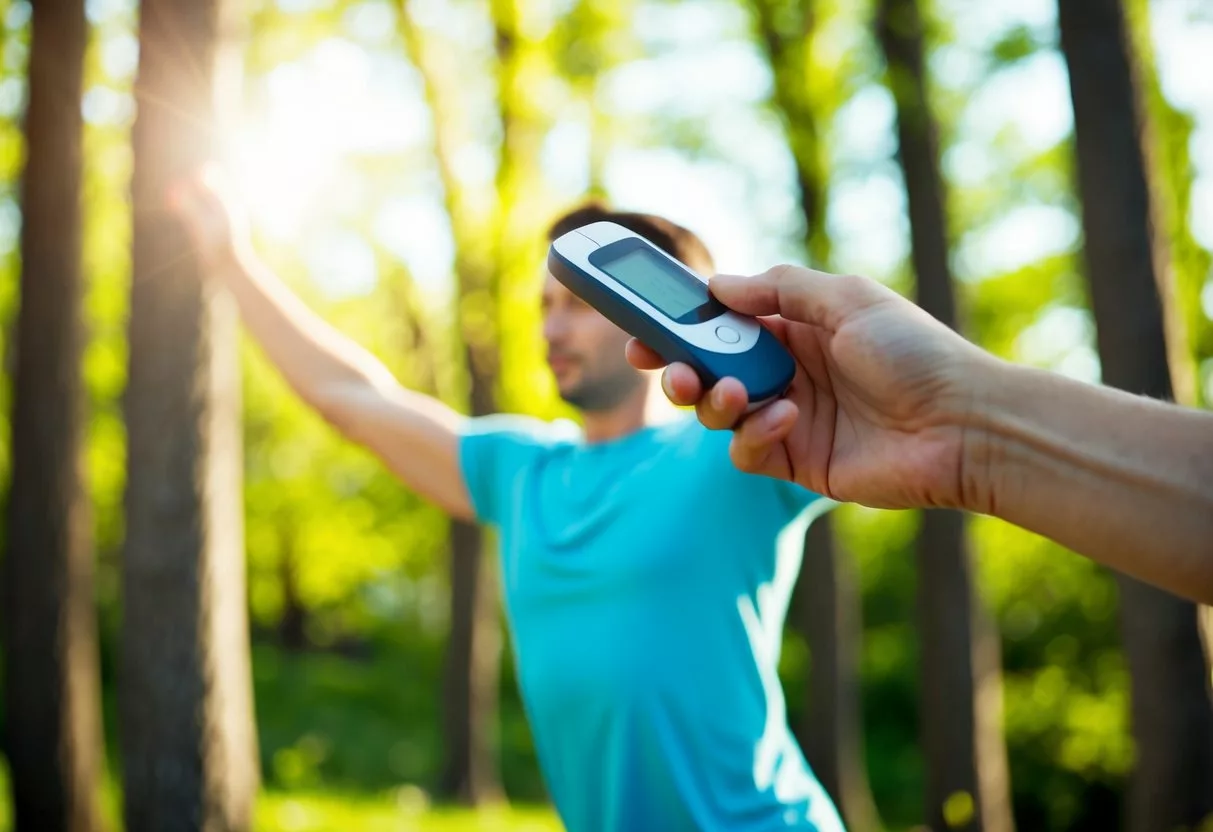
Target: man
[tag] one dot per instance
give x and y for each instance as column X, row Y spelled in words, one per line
column 892, row 409
column 645, row 578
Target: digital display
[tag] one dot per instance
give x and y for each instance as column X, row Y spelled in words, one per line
column 658, row 282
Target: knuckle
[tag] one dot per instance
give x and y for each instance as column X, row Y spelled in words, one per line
column 858, row 289
column 781, row 272
column 741, row 456
column 712, row 417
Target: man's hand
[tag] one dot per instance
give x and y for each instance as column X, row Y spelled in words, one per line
column 877, row 409
column 415, row 435
column 214, row 217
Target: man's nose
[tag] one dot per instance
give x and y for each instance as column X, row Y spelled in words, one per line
column 555, row 327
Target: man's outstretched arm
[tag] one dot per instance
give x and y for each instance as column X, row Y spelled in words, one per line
column 415, row 435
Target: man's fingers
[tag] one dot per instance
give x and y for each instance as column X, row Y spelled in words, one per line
column 642, row 357
column 681, row 385
column 798, row 294
column 760, row 436
column 723, row 405
column 719, row 408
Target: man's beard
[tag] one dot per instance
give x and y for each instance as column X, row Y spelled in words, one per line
column 606, row 393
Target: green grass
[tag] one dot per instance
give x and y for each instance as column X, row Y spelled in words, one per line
column 405, row 810
column 350, row 744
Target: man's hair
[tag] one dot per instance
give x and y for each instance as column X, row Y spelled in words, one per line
column 680, row 243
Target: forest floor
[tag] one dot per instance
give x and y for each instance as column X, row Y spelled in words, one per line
column 325, row 812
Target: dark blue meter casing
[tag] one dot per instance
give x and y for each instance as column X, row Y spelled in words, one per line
column 657, row 299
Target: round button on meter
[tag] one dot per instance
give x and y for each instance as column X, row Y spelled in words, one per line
column 728, row 334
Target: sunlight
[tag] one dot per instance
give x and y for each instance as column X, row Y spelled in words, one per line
column 299, row 157
column 304, row 125
column 285, row 156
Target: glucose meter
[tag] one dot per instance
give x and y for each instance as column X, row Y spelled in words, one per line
column 655, row 298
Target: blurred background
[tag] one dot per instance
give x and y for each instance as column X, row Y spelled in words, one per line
column 1039, row 174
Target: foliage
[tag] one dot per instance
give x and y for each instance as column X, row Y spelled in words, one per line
column 369, row 722
column 348, row 722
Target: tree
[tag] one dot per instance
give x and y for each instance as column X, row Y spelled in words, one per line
column 472, row 661
column 1126, row 256
column 493, row 231
column 52, row 685
column 960, row 677
column 827, row 608
column 188, row 739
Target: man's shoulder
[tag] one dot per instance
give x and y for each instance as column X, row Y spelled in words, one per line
column 494, row 448
column 521, row 428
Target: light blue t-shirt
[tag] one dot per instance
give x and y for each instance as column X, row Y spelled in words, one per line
column 646, row 582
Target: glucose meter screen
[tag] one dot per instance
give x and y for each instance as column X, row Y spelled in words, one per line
column 654, row 280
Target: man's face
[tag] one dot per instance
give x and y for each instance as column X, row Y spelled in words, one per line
column 585, row 351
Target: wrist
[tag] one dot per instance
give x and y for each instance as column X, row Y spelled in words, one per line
column 987, row 479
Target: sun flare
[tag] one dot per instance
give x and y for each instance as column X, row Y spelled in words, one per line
column 301, row 126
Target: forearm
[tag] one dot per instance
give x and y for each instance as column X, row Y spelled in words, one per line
column 312, row 356
column 1124, row 480
column 414, row 434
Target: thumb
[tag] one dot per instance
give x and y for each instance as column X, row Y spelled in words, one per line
column 798, row 294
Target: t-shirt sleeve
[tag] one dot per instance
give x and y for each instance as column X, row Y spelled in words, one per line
column 492, row 452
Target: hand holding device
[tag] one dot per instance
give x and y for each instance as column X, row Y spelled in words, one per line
column 877, row 410
column 654, row 297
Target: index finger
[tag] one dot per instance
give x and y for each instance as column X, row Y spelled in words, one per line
column 643, row 357
column 799, row 294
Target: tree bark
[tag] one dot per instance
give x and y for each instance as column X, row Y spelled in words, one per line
column 967, row 780
column 829, row 614
column 189, row 744
column 471, row 674
column 471, row 670
column 1125, row 257
column 52, row 686
column 292, row 626
column 968, row 785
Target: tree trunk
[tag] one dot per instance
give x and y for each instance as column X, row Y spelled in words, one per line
column 471, row 672
column 52, row 697
column 1125, row 258
column 961, row 686
column 188, row 738
column 967, row 779
column 829, row 615
column 292, row 627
